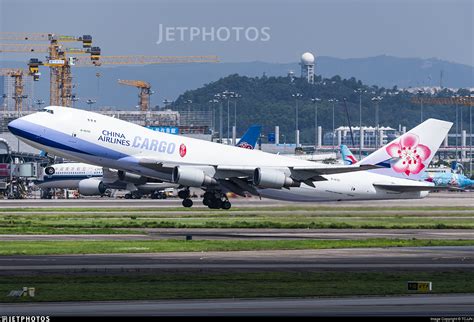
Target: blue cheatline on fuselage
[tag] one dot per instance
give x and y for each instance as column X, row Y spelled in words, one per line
column 63, row 141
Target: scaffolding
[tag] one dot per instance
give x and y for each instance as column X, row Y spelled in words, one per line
column 12, row 98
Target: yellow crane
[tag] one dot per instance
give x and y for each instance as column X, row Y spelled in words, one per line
column 145, row 60
column 145, row 92
column 18, row 75
column 60, row 59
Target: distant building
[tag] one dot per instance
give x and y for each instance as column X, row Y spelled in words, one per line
column 343, row 136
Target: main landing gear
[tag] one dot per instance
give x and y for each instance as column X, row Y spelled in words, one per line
column 216, row 200
column 184, row 194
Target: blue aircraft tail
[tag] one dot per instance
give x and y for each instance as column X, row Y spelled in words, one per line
column 347, row 155
column 250, row 138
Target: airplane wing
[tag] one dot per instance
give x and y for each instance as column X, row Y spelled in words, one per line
column 245, row 174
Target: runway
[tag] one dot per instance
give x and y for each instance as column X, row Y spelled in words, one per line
column 379, row 259
column 415, row 305
column 465, row 199
column 257, row 234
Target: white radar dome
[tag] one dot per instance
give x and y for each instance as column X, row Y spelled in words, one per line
column 307, row 59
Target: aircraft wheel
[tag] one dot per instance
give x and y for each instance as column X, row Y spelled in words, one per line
column 128, row 196
column 205, row 202
column 218, row 203
column 183, row 194
column 208, row 195
column 226, row 205
column 187, row 203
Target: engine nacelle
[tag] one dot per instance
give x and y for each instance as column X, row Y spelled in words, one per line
column 49, row 171
column 91, row 187
column 131, row 177
column 269, row 178
column 191, row 177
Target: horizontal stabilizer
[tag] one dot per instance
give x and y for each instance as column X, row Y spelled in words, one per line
column 405, row 188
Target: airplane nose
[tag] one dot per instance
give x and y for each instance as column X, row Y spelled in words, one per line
column 14, row 126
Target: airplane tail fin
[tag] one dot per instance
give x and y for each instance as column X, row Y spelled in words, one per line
column 347, row 155
column 410, row 154
column 250, row 138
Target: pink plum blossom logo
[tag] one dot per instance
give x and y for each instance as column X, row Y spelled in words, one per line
column 410, row 153
column 245, row 145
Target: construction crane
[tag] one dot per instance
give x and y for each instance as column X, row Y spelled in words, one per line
column 18, row 75
column 59, row 60
column 145, row 60
column 44, row 36
column 145, row 92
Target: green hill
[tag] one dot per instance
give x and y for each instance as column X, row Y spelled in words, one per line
column 268, row 101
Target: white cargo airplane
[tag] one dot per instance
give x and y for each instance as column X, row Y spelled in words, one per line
column 97, row 139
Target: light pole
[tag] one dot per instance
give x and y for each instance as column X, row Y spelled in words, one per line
column 360, row 91
column 315, row 102
column 470, row 98
column 457, row 124
column 189, row 118
column 213, row 116
column 420, row 93
column 377, row 99
column 90, row 102
column 74, row 98
column 219, row 98
column 167, row 103
column 39, row 102
column 333, row 100
column 236, row 96
column 227, row 95
column 297, row 134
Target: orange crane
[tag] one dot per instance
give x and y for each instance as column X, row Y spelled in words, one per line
column 145, row 92
column 58, row 59
column 18, row 75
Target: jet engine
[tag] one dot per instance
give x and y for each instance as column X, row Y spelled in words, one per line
column 49, row 170
column 191, row 177
column 131, row 177
column 269, row 178
column 91, row 187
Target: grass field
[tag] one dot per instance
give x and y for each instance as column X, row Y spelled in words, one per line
column 158, row 246
column 108, row 220
column 228, row 285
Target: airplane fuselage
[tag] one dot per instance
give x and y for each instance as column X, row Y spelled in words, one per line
column 108, row 142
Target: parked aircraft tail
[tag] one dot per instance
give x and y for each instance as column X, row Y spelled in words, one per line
column 250, row 138
column 407, row 156
column 347, row 155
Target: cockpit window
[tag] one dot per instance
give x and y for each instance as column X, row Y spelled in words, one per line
column 47, row 110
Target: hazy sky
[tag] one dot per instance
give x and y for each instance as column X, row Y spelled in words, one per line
column 271, row 31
